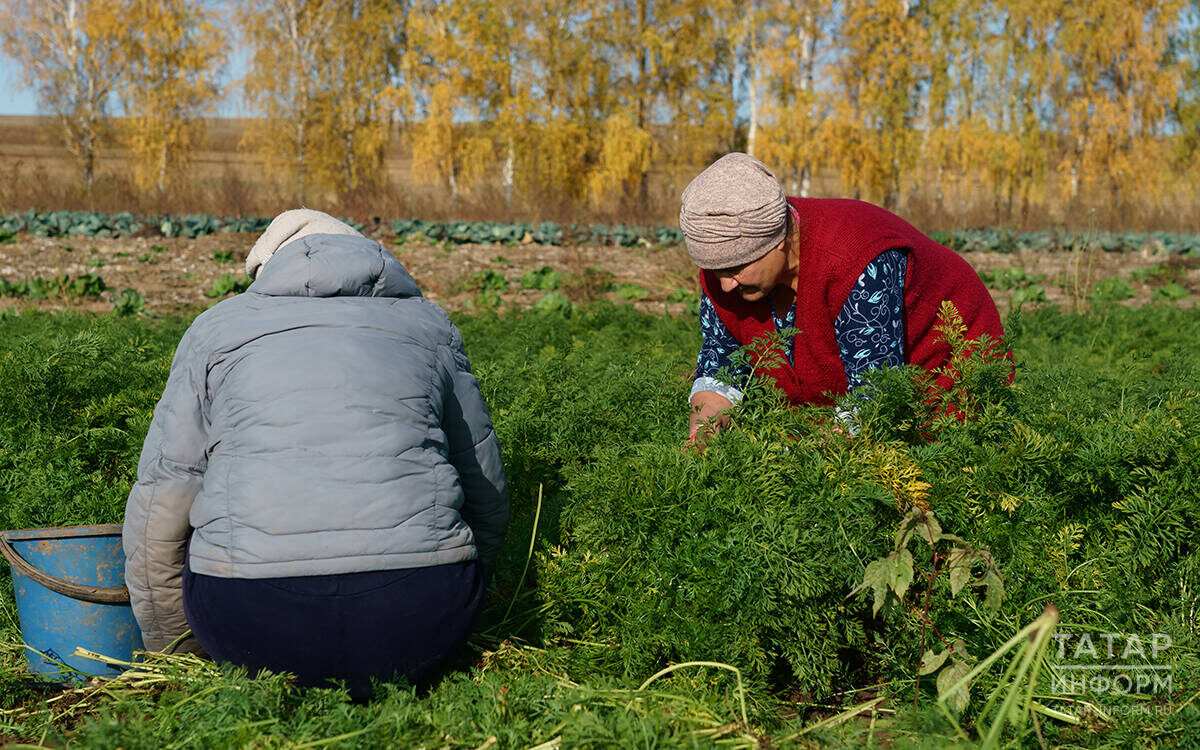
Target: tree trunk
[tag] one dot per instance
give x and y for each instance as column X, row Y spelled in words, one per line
column 299, row 163
column 1080, row 143
column 1026, row 185
column 507, row 174
column 349, row 159
column 161, row 183
column 808, row 53
column 752, row 130
column 939, row 192
column 643, row 95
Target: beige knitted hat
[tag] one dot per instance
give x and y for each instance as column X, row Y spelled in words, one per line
column 288, row 226
column 733, row 213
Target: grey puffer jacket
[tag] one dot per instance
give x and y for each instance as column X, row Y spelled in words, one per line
column 326, row 421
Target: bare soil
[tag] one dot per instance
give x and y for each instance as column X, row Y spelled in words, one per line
column 173, row 278
column 1068, row 278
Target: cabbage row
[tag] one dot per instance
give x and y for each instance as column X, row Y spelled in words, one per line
column 993, row 240
column 544, row 233
column 125, row 224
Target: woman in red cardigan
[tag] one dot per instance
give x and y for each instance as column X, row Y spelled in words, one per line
column 861, row 286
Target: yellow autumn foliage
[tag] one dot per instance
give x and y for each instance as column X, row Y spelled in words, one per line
column 886, row 464
column 321, row 74
column 73, row 53
column 624, row 159
column 175, row 51
column 1030, row 107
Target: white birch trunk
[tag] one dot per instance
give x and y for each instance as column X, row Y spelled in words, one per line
column 752, row 131
column 808, row 49
column 508, row 173
column 162, row 169
column 1080, row 144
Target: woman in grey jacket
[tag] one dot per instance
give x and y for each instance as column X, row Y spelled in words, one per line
column 321, row 489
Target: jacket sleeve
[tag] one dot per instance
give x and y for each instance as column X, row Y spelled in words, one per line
column 717, row 347
column 170, row 474
column 475, row 453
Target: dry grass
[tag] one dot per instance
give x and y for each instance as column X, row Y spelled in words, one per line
column 36, row 172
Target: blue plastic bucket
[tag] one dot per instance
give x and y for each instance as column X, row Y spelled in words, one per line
column 70, row 590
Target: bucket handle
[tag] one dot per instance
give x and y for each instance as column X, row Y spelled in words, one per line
column 96, row 594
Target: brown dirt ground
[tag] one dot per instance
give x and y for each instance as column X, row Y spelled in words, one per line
column 175, row 279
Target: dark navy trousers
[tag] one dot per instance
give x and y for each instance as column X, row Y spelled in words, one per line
column 351, row 627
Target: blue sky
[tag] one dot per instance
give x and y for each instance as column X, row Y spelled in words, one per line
column 13, row 99
column 16, row 100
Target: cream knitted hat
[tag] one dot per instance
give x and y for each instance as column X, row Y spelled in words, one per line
column 733, row 213
column 288, row 226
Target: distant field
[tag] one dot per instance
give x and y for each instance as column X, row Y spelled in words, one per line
column 37, row 172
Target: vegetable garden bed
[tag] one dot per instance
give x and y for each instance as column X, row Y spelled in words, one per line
column 738, row 566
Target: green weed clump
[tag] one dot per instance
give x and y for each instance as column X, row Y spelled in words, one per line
column 555, row 302
column 632, row 291
column 545, row 278
column 1171, row 291
column 489, row 280
column 1112, row 289
column 228, row 284
column 88, row 285
column 129, row 302
column 1009, row 278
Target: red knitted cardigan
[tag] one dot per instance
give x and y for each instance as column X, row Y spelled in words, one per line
column 838, row 238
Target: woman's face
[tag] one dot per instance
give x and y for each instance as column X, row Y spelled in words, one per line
column 755, row 280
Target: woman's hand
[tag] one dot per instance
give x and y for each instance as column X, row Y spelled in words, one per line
column 710, row 411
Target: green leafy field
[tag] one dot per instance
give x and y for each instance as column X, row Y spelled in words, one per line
column 808, row 570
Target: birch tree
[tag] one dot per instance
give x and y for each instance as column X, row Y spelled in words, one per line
column 795, row 110
column 878, row 79
column 567, row 85
column 697, row 52
column 1117, row 87
column 175, row 56
column 318, row 74
column 954, row 134
column 476, row 53
column 1186, row 109
column 632, row 34
column 72, row 53
column 450, row 138
column 282, row 82
column 352, row 117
